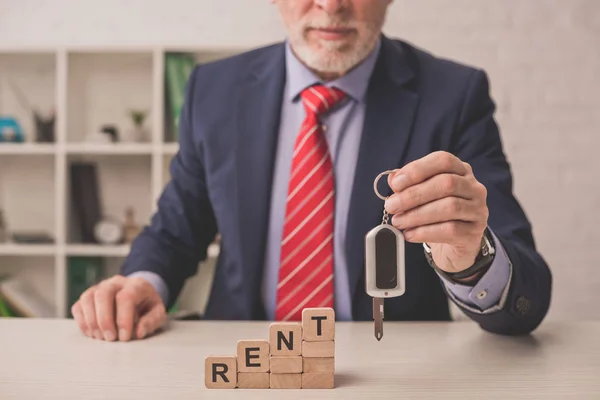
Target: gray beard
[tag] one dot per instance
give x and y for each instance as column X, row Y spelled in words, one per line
column 329, row 59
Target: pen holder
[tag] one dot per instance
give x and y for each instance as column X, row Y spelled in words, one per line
column 44, row 128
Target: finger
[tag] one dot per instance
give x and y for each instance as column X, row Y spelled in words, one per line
column 420, row 170
column 104, row 299
column 126, row 302
column 151, row 321
column 446, row 209
column 438, row 187
column 89, row 312
column 454, row 233
column 79, row 318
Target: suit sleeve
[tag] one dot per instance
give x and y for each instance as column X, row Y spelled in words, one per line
column 526, row 298
column 183, row 226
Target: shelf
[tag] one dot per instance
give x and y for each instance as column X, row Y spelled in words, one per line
column 109, row 148
column 18, row 249
column 23, row 149
column 28, row 80
column 90, row 89
column 170, row 149
column 28, row 194
column 102, row 89
column 94, row 250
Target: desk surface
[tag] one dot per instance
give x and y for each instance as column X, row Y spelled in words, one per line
column 50, row 359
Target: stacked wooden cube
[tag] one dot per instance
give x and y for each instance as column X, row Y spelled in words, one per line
column 298, row 355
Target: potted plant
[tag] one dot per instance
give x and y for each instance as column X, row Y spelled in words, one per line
column 139, row 132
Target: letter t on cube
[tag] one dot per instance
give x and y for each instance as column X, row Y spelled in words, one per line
column 318, row 324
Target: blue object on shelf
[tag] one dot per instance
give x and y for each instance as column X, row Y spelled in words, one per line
column 10, row 130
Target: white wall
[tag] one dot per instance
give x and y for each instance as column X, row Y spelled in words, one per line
column 542, row 56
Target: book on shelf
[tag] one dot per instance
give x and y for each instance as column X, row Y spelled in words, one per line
column 21, row 299
column 85, row 199
column 5, row 310
column 178, row 68
column 82, row 273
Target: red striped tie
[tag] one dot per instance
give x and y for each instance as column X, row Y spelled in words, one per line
column 306, row 269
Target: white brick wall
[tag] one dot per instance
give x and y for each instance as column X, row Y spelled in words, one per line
column 543, row 58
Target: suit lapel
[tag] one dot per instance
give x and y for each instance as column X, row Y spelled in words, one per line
column 258, row 115
column 391, row 107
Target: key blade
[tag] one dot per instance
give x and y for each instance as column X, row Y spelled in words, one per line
column 378, row 317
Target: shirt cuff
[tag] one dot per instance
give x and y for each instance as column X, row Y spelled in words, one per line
column 489, row 292
column 156, row 281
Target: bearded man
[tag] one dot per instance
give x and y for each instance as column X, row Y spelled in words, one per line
column 279, row 149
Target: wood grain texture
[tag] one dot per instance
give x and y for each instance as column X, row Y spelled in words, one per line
column 286, row 365
column 253, row 355
column 318, row 324
column 318, row 380
column 220, row 372
column 51, row 359
column 286, row 381
column 318, row 365
column 318, row 349
column 285, row 338
column 253, row 380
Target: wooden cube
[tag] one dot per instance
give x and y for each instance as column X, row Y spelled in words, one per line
column 253, row 380
column 220, row 372
column 285, row 338
column 318, row 365
column 318, row 324
column 253, row 356
column 317, row 381
column 286, row 365
column 286, row 381
column 318, row 349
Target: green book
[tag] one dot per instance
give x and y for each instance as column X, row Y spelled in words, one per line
column 178, row 68
column 5, row 311
column 82, row 272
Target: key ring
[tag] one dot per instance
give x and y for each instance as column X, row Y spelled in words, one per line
column 388, row 172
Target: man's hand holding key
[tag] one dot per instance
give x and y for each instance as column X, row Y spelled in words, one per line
column 120, row 308
column 437, row 200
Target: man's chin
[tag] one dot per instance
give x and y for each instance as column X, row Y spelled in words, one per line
column 326, row 62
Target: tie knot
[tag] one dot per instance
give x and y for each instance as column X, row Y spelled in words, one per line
column 319, row 99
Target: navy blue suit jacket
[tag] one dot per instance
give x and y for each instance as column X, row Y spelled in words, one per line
column 221, row 181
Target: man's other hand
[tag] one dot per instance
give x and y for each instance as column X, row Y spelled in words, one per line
column 120, row 308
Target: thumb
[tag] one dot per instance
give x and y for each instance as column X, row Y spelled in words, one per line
column 152, row 320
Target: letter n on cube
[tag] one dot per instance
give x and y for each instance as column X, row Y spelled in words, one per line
column 285, row 338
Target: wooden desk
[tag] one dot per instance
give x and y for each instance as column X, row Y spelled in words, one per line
column 50, row 359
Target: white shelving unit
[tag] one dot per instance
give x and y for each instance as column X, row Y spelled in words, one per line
column 88, row 88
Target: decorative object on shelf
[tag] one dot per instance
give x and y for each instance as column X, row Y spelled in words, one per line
column 45, row 127
column 178, row 68
column 108, row 231
column 3, row 228
column 139, row 133
column 106, row 134
column 32, row 237
column 111, row 131
column 130, row 227
column 11, row 131
column 44, row 122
